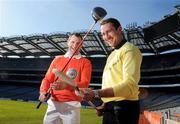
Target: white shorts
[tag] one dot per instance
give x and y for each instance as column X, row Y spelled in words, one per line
column 62, row 112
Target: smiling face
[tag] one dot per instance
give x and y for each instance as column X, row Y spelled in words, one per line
column 73, row 43
column 110, row 34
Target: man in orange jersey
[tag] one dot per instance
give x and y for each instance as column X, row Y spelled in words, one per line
column 64, row 105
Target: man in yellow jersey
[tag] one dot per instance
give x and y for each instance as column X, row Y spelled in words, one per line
column 120, row 78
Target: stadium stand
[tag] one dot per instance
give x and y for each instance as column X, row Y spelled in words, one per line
column 22, row 65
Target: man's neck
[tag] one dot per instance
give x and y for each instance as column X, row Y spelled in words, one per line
column 69, row 54
column 120, row 44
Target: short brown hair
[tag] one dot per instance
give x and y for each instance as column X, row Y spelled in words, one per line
column 77, row 35
column 114, row 21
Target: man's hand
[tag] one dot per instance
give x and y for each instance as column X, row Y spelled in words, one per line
column 88, row 94
column 43, row 97
column 58, row 85
column 99, row 110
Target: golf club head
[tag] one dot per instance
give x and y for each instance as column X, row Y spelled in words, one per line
column 98, row 13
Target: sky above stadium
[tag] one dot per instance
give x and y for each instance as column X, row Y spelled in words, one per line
column 26, row 17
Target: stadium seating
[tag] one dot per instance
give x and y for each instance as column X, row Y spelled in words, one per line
column 20, row 79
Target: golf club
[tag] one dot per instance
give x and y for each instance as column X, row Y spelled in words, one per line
column 98, row 13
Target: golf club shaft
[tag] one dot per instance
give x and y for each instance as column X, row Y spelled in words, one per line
column 48, row 94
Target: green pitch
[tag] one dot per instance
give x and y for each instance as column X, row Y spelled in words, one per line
column 17, row 112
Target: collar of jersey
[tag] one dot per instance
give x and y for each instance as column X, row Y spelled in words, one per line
column 68, row 54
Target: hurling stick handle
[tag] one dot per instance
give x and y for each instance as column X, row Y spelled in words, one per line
column 89, row 102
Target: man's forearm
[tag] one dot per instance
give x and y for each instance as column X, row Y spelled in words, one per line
column 108, row 92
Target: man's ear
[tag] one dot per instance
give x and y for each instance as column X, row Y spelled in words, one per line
column 68, row 41
column 119, row 28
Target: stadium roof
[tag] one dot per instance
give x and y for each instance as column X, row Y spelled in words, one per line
column 153, row 39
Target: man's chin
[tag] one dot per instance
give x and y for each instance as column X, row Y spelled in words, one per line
column 72, row 50
column 111, row 45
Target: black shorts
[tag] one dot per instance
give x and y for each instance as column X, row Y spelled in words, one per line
column 121, row 112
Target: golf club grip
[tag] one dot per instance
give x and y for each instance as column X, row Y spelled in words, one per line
column 37, row 107
column 48, row 95
column 92, row 105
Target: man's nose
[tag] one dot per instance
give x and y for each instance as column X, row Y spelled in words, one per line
column 106, row 36
column 76, row 44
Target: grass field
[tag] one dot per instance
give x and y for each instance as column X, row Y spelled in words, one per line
column 17, row 112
